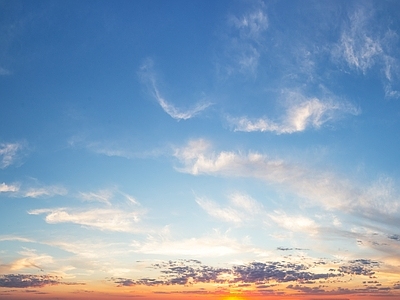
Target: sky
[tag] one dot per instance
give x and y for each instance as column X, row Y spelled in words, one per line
column 227, row 150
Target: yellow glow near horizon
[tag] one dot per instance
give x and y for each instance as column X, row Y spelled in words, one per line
column 233, row 298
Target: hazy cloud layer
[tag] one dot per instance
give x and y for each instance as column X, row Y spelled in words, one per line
column 318, row 187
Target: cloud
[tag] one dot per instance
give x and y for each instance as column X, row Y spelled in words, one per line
column 301, row 113
column 189, row 272
column 10, row 153
column 8, row 188
column 358, row 48
column 103, row 219
column 222, row 214
column 242, row 208
column 15, row 190
column 28, row 281
column 147, row 75
column 294, row 223
column 30, row 259
column 48, row 191
column 317, row 187
column 243, row 41
column 363, row 45
column 103, row 196
column 360, row 267
column 208, row 246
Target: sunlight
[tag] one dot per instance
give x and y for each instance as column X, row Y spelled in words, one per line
column 233, row 298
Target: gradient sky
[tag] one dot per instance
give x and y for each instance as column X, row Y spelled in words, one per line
column 227, row 150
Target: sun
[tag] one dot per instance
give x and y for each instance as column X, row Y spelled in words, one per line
column 233, row 298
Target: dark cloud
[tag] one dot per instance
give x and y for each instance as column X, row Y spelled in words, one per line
column 188, row 272
column 359, row 267
column 28, row 281
column 395, row 237
column 290, row 249
column 263, row 276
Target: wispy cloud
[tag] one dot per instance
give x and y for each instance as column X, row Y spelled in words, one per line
column 19, row 190
column 318, row 187
column 111, row 148
column 46, row 191
column 357, row 46
column 243, row 41
column 147, row 75
column 363, row 45
column 103, row 196
column 301, row 113
column 10, row 153
column 242, row 208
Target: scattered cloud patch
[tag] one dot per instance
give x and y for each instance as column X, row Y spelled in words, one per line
column 4, row 188
column 10, row 153
column 148, row 76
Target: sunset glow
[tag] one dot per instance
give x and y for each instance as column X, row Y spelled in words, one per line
column 201, row 149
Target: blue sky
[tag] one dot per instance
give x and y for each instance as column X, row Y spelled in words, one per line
column 138, row 136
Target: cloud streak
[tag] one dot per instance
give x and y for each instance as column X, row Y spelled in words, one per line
column 102, row 219
column 147, row 75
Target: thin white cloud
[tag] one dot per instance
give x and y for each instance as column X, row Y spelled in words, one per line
column 8, row 188
column 147, row 75
column 316, row 187
column 301, row 114
column 103, row 196
column 9, row 153
column 47, row 191
column 213, row 245
column 103, row 219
